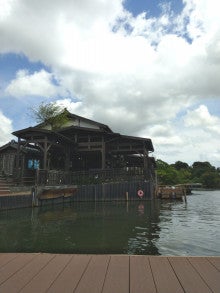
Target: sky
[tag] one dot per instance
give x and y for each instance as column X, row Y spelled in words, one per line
column 145, row 68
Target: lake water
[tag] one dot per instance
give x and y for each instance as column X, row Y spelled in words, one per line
column 144, row 227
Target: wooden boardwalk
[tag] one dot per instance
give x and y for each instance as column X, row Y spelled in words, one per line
column 39, row 272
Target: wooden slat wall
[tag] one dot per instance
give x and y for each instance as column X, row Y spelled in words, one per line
column 114, row 191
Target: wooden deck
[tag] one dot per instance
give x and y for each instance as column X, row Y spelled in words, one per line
column 39, row 272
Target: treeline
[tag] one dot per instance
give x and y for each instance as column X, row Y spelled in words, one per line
column 180, row 173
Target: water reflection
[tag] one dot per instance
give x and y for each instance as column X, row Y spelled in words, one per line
column 82, row 228
column 148, row 227
column 144, row 235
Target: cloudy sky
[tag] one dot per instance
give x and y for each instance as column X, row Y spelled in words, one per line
column 146, row 68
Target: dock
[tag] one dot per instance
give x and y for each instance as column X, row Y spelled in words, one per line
column 43, row 272
column 171, row 192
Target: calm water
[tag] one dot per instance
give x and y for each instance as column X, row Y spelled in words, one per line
column 151, row 227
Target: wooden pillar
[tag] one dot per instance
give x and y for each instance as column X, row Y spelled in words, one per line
column 18, row 172
column 45, row 154
column 146, row 166
column 18, row 154
column 103, row 153
column 67, row 158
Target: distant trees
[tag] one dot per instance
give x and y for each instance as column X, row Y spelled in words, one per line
column 166, row 173
column 180, row 165
column 181, row 172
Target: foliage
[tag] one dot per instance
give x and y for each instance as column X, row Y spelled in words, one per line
column 180, row 173
column 180, row 165
column 50, row 113
column 210, row 179
column 199, row 168
column 166, row 173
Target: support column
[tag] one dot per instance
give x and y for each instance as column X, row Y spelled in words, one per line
column 18, row 154
column 18, row 170
column 103, row 153
column 45, row 154
column 67, row 158
column 146, row 166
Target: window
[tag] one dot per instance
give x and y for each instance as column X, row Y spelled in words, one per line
column 33, row 164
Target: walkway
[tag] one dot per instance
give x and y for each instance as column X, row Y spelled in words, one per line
column 108, row 273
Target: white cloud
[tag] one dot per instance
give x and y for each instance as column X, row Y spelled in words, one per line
column 5, row 8
column 5, row 129
column 185, row 143
column 165, row 135
column 201, row 118
column 75, row 107
column 136, row 74
column 36, row 84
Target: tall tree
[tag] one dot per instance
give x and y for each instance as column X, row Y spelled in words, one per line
column 51, row 113
column 180, row 165
column 166, row 174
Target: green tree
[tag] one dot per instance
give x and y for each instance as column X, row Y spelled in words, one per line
column 184, row 176
column 180, row 173
column 210, row 179
column 166, row 174
column 180, row 165
column 50, row 113
column 199, row 168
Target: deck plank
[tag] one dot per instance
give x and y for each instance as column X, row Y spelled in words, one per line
column 71, row 275
column 117, row 277
column 23, row 276
column 188, row 276
column 141, row 278
column 53, row 273
column 6, row 257
column 215, row 261
column 42, row 281
column 14, row 266
column 94, row 276
column 207, row 271
column 164, row 276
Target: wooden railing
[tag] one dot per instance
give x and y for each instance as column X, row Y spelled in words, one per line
column 22, row 178
column 54, row 177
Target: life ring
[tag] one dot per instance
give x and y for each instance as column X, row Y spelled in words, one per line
column 140, row 193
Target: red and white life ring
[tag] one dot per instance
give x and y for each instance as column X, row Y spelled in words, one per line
column 140, row 193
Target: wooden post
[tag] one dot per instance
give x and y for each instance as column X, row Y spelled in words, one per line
column 45, row 154
column 146, row 167
column 17, row 171
column 37, row 177
column 18, row 153
column 103, row 153
column 126, row 194
column 67, row 158
column 156, row 185
column 184, row 194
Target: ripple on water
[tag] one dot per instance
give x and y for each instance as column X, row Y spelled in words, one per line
column 158, row 227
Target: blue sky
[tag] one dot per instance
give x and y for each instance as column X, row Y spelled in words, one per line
column 147, row 68
column 152, row 8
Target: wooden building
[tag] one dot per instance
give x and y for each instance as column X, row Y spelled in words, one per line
column 80, row 144
column 28, row 160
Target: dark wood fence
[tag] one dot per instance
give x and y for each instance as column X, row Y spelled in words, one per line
column 111, row 191
column 53, row 177
column 15, row 202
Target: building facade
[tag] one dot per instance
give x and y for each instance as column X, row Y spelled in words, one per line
column 80, row 144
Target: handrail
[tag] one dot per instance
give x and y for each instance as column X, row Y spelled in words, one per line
column 57, row 177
